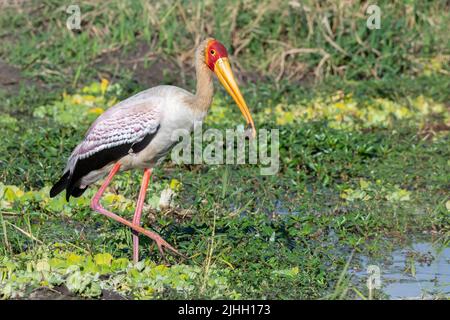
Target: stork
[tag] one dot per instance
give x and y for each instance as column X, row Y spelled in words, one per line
column 136, row 134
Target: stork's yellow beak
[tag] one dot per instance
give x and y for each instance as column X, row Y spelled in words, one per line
column 223, row 71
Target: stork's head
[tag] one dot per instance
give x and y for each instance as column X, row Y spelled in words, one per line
column 216, row 58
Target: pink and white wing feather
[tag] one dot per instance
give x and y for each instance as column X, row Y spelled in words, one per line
column 120, row 126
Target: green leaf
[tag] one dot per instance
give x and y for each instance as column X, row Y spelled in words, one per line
column 73, row 258
column 103, row 259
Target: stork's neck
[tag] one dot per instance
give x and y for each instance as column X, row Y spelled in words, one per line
column 205, row 90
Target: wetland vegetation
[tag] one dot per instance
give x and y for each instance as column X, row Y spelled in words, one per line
column 363, row 118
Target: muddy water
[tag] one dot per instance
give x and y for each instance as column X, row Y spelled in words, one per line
column 421, row 271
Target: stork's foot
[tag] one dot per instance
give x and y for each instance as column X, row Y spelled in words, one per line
column 162, row 244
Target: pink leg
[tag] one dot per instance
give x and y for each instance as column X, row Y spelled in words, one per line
column 138, row 212
column 96, row 206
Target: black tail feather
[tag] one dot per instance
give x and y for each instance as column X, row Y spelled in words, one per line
column 77, row 192
column 60, row 185
column 63, row 183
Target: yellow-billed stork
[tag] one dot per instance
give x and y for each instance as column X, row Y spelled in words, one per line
column 136, row 133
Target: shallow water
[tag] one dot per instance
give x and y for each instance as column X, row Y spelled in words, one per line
column 420, row 271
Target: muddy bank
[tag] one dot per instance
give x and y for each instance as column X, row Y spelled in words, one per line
column 62, row 293
column 10, row 77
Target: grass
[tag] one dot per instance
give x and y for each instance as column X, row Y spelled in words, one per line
column 364, row 148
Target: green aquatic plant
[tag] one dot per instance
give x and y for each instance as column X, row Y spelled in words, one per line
column 87, row 276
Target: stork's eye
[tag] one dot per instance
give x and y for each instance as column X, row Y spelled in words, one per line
column 213, row 52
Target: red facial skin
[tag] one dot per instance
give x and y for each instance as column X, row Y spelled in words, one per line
column 214, row 51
